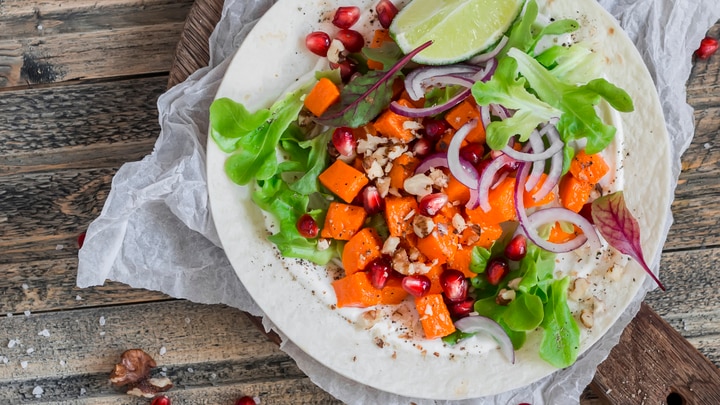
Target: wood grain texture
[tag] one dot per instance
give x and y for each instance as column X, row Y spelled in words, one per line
column 212, row 352
column 44, row 42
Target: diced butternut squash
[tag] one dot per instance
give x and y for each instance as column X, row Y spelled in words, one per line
column 457, row 191
column 356, row 290
column 588, row 168
column 324, row 94
column 380, row 36
column 528, row 195
column 558, row 235
column 392, row 125
column 574, row 193
column 398, row 214
column 360, row 250
column 439, row 245
column 502, row 205
column 461, row 261
column 343, row 180
column 462, row 114
column 403, row 167
column 434, row 276
column 343, row 221
column 434, row 316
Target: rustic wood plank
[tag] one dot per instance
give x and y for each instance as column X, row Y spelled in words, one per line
column 192, row 51
column 207, row 351
column 87, row 40
column 657, row 369
column 65, row 118
column 41, row 8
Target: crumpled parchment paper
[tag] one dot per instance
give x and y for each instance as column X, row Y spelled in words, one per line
column 156, row 232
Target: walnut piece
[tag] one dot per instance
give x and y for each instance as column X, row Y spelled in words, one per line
column 133, row 371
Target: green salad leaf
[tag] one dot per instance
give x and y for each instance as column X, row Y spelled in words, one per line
column 230, row 122
column 560, row 344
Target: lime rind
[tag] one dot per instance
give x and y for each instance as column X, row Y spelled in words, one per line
column 459, row 29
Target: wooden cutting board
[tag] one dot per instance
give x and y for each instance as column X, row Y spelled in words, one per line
column 652, row 364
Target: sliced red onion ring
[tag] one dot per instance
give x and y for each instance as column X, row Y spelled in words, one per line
column 433, row 161
column 549, row 215
column 463, row 171
column 484, row 115
column 493, row 53
column 446, row 80
column 414, row 79
column 538, row 149
column 487, row 179
column 481, row 324
column 413, row 112
column 485, row 74
column 556, row 165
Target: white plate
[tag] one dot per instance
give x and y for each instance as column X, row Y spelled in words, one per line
column 297, row 296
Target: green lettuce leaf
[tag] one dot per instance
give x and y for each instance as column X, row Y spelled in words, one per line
column 560, row 344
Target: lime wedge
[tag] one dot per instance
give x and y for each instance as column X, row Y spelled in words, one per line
column 459, row 29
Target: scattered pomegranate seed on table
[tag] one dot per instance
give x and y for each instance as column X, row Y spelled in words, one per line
column 346, row 17
column 708, row 46
column 246, row 400
column 161, row 400
column 307, row 226
column 318, row 43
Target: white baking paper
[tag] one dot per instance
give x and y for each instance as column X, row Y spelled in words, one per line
column 156, row 232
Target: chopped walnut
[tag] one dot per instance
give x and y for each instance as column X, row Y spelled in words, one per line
column 423, row 226
column 373, row 169
column 395, row 151
column 401, row 262
column 439, row 178
column 133, row 371
column 369, row 144
column 587, row 318
column 515, row 283
column 335, row 51
column 578, row 289
column 391, row 243
column 419, row 184
column 459, row 222
column 323, row 244
column 419, row 268
column 505, row 296
column 383, row 186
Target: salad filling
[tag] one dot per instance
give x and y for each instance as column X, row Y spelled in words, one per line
column 486, row 193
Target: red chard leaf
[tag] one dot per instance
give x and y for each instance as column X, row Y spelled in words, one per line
column 364, row 97
column 620, row 229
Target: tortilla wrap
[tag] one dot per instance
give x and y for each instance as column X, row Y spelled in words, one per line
column 364, row 345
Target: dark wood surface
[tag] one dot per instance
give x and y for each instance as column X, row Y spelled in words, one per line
column 78, row 86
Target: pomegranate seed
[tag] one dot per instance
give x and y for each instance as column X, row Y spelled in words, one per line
column 347, row 67
column 586, row 212
column 81, row 240
column 346, row 17
column 386, row 12
column 517, row 248
column 161, row 400
column 422, row 147
column 462, row 308
column 454, row 285
column 371, row 200
column 379, row 271
column 351, row 39
column 246, row 400
column 318, row 43
column 435, row 129
column 344, row 141
column 431, row 204
column 307, row 226
column 496, row 270
column 417, row 285
column 472, row 152
column 708, row 46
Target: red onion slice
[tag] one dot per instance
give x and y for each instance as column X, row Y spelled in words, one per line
column 481, row 324
column 487, row 179
column 556, row 165
column 433, row 161
column 414, row 79
column 413, row 112
column 549, row 215
column 538, row 149
column 491, row 54
column 463, row 171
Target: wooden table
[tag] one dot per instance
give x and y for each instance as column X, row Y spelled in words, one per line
column 78, row 86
